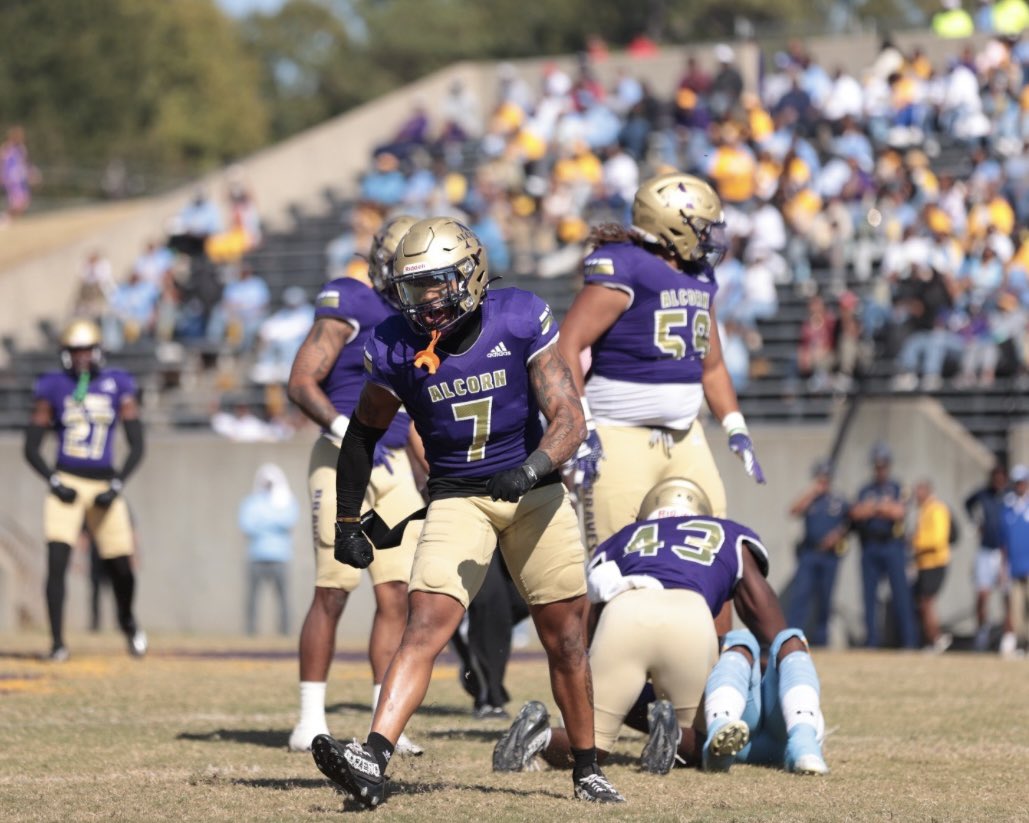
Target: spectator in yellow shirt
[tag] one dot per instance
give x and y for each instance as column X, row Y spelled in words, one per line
column 931, row 546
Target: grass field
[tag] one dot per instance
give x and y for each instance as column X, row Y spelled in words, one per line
column 198, row 730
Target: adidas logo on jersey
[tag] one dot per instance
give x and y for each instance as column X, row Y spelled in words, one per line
column 499, row 350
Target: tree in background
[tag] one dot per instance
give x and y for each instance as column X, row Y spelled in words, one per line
column 158, row 85
column 174, row 87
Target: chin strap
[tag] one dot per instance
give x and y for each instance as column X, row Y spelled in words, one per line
column 82, row 387
column 427, row 357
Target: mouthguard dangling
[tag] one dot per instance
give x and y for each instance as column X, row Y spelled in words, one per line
column 427, row 357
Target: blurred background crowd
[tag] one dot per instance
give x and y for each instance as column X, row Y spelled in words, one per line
column 817, row 169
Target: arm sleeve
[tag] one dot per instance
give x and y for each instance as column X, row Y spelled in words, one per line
column 33, row 440
column 354, row 467
column 134, row 434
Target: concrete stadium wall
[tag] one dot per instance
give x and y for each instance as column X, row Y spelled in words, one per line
column 192, row 557
column 1018, row 443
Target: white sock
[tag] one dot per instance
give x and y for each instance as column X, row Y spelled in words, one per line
column 722, row 704
column 312, row 704
column 801, row 705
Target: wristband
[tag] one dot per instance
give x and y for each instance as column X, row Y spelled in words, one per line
column 348, row 519
column 537, row 465
column 733, row 423
column 339, row 426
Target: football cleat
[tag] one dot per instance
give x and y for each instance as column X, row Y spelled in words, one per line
column 803, row 751
column 351, row 767
column 301, row 736
column 138, row 643
column 406, row 746
column 595, row 788
column 58, row 654
column 724, row 742
column 527, row 737
column 658, row 754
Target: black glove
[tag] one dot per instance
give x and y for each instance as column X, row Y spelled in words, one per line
column 60, row 491
column 510, row 484
column 352, row 547
column 105, row 499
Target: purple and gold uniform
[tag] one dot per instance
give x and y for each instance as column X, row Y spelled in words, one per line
column 699, row 553
column 363, row 308
column 85, row 458
column 477, row 415
column 391, row 491
column 667, row 324
column 644, row 386
column 663, row 581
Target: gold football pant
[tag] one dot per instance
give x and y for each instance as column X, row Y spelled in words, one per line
column 635, row 460
column 394, row 496
column 111, row 527
column 664, row 634
column 539, row 537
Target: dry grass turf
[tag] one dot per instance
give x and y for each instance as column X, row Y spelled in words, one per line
column 193, row 735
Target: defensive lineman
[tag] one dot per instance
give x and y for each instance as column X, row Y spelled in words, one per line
column 658, row 582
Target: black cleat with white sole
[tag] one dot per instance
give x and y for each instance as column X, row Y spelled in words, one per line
column 527, row 737
column 595, row 788
column 351, row 767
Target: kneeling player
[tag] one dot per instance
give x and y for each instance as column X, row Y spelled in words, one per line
column 649, row 579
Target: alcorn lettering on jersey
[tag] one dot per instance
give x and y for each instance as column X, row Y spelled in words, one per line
column 664, row 334
column 477, row 415
column 703, row 554
column 85, row 429
column 361, row 306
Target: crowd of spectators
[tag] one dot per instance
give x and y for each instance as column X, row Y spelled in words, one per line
column 899, row 195
column 894, row 201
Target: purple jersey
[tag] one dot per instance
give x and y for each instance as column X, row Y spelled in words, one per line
column 362, row 307
column 86, row 430
column 703, row 554
column 664, row 334
column 477, row 414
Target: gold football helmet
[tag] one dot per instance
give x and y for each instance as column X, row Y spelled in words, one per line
column 440, row 274
column 380, row 258
column 682, row 214
column 81, row 334
column 674, row 497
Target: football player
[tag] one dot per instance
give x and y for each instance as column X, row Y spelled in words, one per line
column 656, row 584
column 83, row 402
column 474, row 369
column 325, row 382
column 647, row 312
